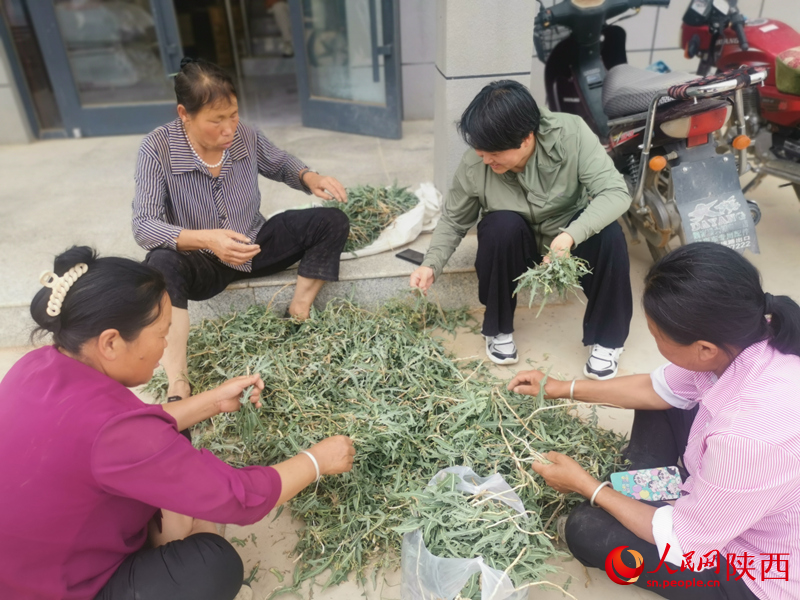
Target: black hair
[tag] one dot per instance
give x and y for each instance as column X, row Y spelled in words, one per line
column 706, row 291
column 114, row 293
column 500, row 117
column 201, row 83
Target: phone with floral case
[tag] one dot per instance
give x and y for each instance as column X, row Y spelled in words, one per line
column 661, row 483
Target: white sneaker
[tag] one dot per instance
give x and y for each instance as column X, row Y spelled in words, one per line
column 603, row 363
column 501, row 349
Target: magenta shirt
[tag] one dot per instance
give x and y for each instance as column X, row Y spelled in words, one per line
column 85, row 465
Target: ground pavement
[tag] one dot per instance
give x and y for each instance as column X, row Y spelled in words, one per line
column 57, row 193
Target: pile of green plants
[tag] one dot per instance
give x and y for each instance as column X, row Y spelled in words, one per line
column 372, row 209
column 385, row 379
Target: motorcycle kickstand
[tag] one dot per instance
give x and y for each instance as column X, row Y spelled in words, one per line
column 754, row 183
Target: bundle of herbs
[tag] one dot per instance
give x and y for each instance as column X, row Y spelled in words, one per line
column 371, row 210
column 455, row 525
column 411, row 408
column 558, row 276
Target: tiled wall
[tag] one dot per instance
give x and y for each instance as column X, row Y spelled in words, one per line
column 418, row 56
column 654, row 33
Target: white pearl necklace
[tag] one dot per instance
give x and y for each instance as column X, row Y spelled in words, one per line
column 197, row 156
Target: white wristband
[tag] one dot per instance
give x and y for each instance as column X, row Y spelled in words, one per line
column 599, row 487
column 572, row 391
column 314, row 460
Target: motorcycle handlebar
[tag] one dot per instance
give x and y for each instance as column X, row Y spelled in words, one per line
column 737, row 23
column 563, row 12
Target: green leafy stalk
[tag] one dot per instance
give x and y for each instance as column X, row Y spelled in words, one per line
column 558, row 277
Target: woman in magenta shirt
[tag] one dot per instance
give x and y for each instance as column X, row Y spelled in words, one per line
column 87, row 465
column 727, row 404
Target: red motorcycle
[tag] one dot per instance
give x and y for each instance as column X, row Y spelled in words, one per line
column 723, row 38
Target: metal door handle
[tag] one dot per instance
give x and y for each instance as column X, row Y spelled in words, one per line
column 385, row 50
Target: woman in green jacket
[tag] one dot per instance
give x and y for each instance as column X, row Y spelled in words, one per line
column 540, row 181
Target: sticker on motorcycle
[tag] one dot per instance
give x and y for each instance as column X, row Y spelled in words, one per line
column 624, row 136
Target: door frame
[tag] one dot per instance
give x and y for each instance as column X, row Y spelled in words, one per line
column 116, row 119
column 349, row 116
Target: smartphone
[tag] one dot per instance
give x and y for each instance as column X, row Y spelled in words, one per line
column 661, row 483
column 411, row 256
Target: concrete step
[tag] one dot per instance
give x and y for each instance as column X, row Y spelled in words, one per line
column 369, row 281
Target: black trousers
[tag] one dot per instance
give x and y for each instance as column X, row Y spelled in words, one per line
column 658, row 439
column 314, row 236
column 507, row 247
column 203, row 566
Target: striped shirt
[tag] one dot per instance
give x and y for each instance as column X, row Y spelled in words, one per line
column 743, row 457
column 175, row 191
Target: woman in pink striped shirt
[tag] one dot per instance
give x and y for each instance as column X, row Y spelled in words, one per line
column 728, row 406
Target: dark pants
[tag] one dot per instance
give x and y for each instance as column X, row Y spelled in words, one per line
column 315, row 237
column 658, row 439
column 507, row 247
column 203, row 566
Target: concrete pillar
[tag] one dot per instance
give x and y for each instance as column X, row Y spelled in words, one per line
column 477, row 41
column 15, row 129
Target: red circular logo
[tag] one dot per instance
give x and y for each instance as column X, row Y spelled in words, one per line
column 618, row 571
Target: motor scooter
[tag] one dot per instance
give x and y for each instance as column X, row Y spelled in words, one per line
column 720, row 35
column 657, row 127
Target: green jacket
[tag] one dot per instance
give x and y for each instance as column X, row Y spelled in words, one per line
column 568, row 167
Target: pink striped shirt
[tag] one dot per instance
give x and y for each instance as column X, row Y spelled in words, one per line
column 743, row 457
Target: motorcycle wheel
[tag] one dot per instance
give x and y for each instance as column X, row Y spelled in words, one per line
column 755, row 211
column 661, row 185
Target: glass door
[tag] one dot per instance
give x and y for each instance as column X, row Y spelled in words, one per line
column 348, row 65
column 110, row 62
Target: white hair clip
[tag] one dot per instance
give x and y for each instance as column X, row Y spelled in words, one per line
column 60, row 286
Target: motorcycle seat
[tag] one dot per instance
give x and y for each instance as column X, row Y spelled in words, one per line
column 628, row 90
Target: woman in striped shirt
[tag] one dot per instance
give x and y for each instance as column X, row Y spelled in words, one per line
column 728, row 406
column 197, row 202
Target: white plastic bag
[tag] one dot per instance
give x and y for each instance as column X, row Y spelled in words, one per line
column 429, row 577
column 405, row 228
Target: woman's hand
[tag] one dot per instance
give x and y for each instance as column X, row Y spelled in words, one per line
column 334, row 455
column 560, row 245
column 230, row 246
column 422, row 278
column 566, row 475
column 327, row 188
column 528, row 382
column 226, row 398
